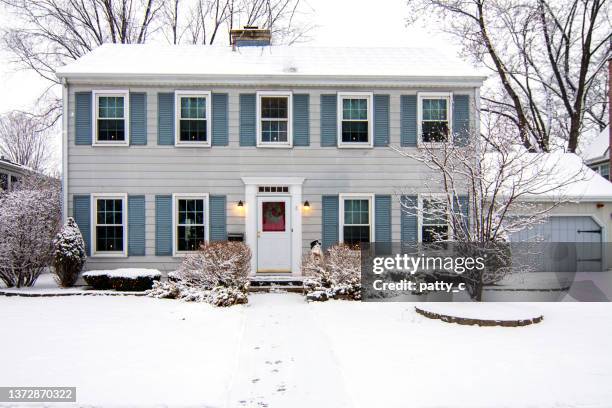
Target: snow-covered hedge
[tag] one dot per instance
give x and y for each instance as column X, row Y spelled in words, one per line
column 336, row 274
column 217, row 274
column 69, row 255
column 127, row 279
column 29, row 219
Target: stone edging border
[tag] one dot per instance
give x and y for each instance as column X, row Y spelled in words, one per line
column 479, row 322
column 17, row 294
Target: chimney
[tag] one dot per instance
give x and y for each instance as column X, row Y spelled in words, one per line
column 250, row 36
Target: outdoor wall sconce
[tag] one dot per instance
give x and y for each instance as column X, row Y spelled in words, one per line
column 306, row 205
column 599, row 205
column 240, row 204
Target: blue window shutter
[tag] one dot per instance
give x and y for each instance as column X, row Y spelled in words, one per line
column 301, row 120
column 248, row 119
column 329, row 120
column 382, row 218
column 330, row 208
column 82, row 118
column 81, row 210
column 461, row 206
column 381, row 120
column 218, row 218
column 136, row 225
column 163, row 225
column 408, row 120
column 461, row 119
column 138, row 118
column 220, row 132
column 409, row 221
column 165, row 119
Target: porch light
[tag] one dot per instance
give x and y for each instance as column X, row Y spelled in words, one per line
column 306, row 205
column 240, row 204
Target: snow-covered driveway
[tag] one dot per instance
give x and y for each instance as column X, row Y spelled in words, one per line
column 280, row 351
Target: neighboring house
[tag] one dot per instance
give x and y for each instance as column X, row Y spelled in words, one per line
column 597, row 153
column 583, row 214
column 168, row 146
column 10, row 173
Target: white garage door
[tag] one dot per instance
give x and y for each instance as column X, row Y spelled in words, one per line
column 581, row 230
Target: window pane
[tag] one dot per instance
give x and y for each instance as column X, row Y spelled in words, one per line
column 110, row 106
column 434, row 131
column 356, row 109
column 273, row 131
column 109, row 238
column 435, row 212
column 109, row 211
column 193, row 107
column 191, row 212
column 353, row 235
column 111, row 129
column 274, row 107
column 356, row 212
column 434, row 233
column 273, row 216
column 434, row 109
column 192, row 131
column 604, row 170
column 355, row 132
column 190, row 237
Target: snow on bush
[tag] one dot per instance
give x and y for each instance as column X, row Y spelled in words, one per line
column 333, row 275
column 217, row 274
column 69, row 254
column 126, row 279
column 29, row 220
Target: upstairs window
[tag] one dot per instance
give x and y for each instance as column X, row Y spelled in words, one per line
column 355, row 119
column 435, row 117
column 274, row 119
column 111, row 114
column 193, row 124
column 190, row 226
column 110, row 225
column 434, row 219
column 356, row 219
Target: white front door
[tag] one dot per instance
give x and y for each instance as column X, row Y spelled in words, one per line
column 273, row 234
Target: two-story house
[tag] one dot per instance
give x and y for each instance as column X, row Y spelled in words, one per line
column 168, row 146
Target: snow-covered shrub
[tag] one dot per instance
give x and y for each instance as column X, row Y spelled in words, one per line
column 29, row 220
column 333, row 275
column 69, row 256
column 128, row 279
column 217, row 274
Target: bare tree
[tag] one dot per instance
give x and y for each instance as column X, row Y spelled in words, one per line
column 548, row 58
column 24, row 140
column 500, row 180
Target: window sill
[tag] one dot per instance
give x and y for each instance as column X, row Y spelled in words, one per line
column 111, row 144
column 109, row 255
column 275, row 145
column 355, row 145
column 192, row 144
column 434, row 145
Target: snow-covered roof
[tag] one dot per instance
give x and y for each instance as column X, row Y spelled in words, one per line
column 268, row 62
column 599, row 148
column 9, row 165
column 557, row 176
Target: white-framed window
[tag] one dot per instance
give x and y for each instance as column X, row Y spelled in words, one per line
column 356, row 218
column 190, row 224
column 355, row 121
column 193, row 118
column 274, row 119
column 603, row 170
column 111, row 125
column 434, row 117
column 434, row 218
column 109, row 221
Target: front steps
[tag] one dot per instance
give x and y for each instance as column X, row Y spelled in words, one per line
column 272, row 283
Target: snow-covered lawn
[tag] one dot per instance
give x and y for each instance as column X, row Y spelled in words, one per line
column 279, row 351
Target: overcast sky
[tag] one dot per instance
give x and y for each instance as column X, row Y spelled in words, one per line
column 340, row 23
